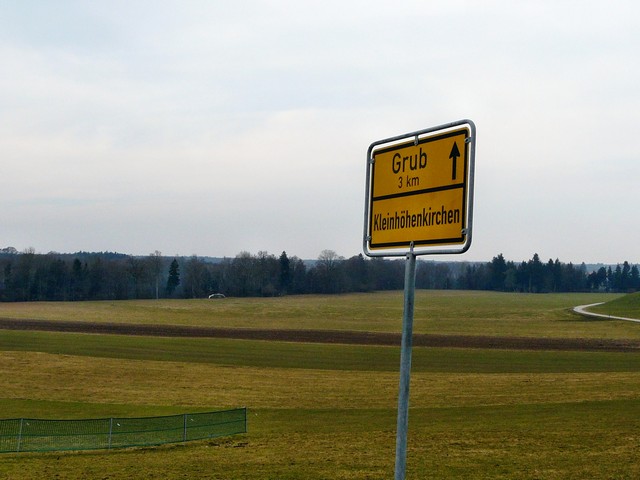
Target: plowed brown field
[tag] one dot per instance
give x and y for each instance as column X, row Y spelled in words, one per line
column 324, row 336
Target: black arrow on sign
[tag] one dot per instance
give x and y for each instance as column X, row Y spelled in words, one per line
column 455, row 153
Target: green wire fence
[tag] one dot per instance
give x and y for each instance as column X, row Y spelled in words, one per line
column 33, row 435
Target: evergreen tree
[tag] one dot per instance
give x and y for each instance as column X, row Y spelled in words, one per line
column 635, row 277
column 78, row 275
column 155, row 262
column 536, row 274
column 284, row 272
column 498, row 270
column 626, row 277
column 357, row 274
column 617, row 278
column 174, row 277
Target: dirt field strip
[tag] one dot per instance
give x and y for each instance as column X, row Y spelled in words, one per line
column 324, row 336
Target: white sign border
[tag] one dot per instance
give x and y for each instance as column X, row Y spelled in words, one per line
column 426, row 249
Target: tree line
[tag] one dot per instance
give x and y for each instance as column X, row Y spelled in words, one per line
column 27, row 276
column 536, row 276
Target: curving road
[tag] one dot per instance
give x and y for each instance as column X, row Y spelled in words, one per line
column 582, row 310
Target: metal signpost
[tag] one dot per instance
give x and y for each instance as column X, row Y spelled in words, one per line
column 419, row 201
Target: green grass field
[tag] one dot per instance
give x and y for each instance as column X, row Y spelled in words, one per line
column 626, row 306
column 327, row 411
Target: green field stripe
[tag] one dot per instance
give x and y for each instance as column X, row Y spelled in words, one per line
column 55, row 409
column 317, row 356
column 599, row 414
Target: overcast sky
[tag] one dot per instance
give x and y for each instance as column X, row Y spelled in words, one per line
column 215, row 127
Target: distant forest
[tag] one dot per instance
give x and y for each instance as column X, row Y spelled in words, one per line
column 27, row 276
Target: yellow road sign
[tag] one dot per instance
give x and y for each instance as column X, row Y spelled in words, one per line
column 419, row 191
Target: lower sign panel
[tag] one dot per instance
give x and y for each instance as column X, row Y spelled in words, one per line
column 430, row 218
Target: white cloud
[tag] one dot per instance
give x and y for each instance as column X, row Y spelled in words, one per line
column 212, row 128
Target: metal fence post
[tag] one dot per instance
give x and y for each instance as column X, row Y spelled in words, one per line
column 20, row 435
column 110, row 431
column 185, row 427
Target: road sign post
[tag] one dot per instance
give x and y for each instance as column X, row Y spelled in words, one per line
column 405, row 367
column 419, row 201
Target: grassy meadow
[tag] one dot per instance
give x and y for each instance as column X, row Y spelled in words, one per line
column 327, row 411
column 627, row 306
